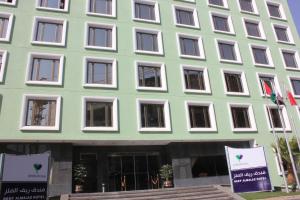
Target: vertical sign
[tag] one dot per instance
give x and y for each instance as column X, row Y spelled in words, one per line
column 248, row 169
column 24, row 177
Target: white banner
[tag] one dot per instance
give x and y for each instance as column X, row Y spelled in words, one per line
column 246, row 158
column 25, row 168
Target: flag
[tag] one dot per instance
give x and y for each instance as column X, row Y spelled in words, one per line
column 275, row 97
column 268, row 88
column 292, row 100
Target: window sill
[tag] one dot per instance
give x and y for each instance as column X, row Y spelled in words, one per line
column 48, row 43
column 147, row 21
column 8, row 4
column 292, row 68
column 192, row 130
column 216, row 6
column 244, row 130
column 256, row 38
column 52, row 9
column 100, row 15
column 100, row 48
column 192, row 57
column 154, row 129
column 148, row 52
column 278, row 18
column 39, row 128
column 197, row 91
column 162, row 89
column 280, row 129
column 285, row 42
column 264, row 65
column 100, row 86
column 95, row 129
column 249, row 13
column 237, row 94
column 224, row 32
column 231, row 61
column 187, row 26
column 6, row 39
column 43, row 83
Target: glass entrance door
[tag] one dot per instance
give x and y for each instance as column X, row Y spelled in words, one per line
column 132, row 171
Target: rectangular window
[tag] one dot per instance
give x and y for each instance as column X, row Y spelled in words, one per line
column 101, row 37
column 296, row 86
column 233, row 82
column 281, row 34
column 102, row 7
column 8, row 2
column 3, row 26
column 41, row 113
column 194, row 79
column 240, row 117
column 53, row 4
column 186, row 16
column 246, row 5
column 146, row 11
column 2, row 63
column 252, row 29
column 221, row 23
column 189, row 46
column 260, row 56
column 49, row 31
column 100, row 114
column 275, row 117
column 290, row 59
column 216, row 2
column 148, row 41
column 199, row 116
column 270, row 80
column 274, row 10
column 227, row 51
column 149, row 76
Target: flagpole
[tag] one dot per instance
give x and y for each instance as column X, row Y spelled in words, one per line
column 288, row 145
column 278, row 151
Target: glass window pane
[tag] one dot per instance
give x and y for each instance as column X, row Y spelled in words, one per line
column 3, row 26
column 149, row 76
column 152, row 115
column 199, row 117
column 98, row 114
column 99, row 73
column 275, row 117
column 234, row 82
column 194, row 79
column 269, row 81
column 274, row 10
column 260, row 56
column 253, row 29
column 101, row 37
column 49, row 32
column 246, row 5
column 216, row 2
column 44, row 69
column 296, row 86
column 40, row 112
column 221, row 23
column 185, row 17
column 147, row 41
column 289, row 59
column 144, row 11
column 57, row 4
column 189, row 46
column 101, row 6
column 281, row 34
column 227, row 51
column 240, row 117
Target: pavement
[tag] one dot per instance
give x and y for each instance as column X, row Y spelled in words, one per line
column 295, row 197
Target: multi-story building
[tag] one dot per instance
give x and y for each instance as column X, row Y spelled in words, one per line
column 124, row 86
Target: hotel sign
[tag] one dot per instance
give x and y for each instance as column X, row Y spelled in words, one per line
column 248, row 169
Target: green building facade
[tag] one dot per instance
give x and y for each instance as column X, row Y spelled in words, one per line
column 124, row 86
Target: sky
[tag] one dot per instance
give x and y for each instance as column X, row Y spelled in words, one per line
column 295, row 9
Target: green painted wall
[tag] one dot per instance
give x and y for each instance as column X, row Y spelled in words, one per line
column 72, row 90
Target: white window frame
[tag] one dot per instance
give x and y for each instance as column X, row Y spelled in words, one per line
column 147, row 2
column 229, row 22
column 9, row 26
column 205, row 77
column 251, row 117
column 186, row 8
column 188, row 1
column 66, row 8
column 243, row 81
column 113, row 61
column 290, row 78
column 33, row 55
column 114, row 100
column 260, row 27
column 113, row 27
column 254, row 5
column 3, row 61
column 281, row 10
column 298, row 110
column 212, row 116
column 217, row 6
column 200, row 46
column 276, row 83
column 13, row 3
column 167, row 119
column 236, row 49
column 26, row 97
column 50, row 20
column 297, row 58
column 285, row 118
column 162, row 76
column 288, row 32
column 150, row 31
column 268, row 54
column 113, row 12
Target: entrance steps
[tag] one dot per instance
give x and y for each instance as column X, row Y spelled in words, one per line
column 211, row 192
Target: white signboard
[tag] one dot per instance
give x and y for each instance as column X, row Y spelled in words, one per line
column 25, row 168
column 246, row 158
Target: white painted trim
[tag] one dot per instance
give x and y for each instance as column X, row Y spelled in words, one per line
column 281, row 10
column 26, row 97
column 254, row 6
column 10, row 17
column 200, row 46
column 188, row 1
column 236, row 49
column 113, row 27
column 260, row 27
column 66, row 7
column 13, row 3
column 268, row 55
column 186, row 8
column 165, row 103
column 3, row 66
column 211, row 112
column 114, row 100
column 243, row 81
column 205, row 77
column 229, row 22
column 285, row 117
column 290, row 78
column 251, row 117
column 113, row 11
column 51, row 20
column 113, row 61
column 288, row 32
column 146, row 2
column 150, row 31
column 33, row 55
column 296, row 56
column 217, row 6
column 162, row 76
column 276, row 82
column 298, row 110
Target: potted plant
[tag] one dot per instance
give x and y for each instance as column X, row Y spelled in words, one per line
column 79, row 175
column 166, row 173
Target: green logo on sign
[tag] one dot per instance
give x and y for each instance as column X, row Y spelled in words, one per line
column 37, row 167
column 239, row 157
